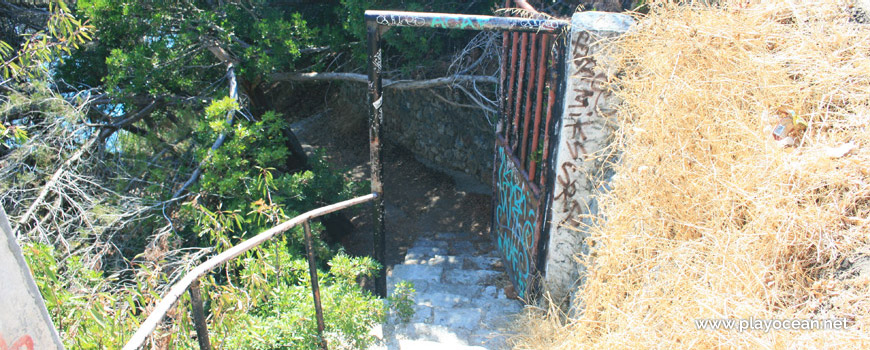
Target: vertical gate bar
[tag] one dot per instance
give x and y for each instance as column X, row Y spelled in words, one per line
column 554, row 82
column 277, row 263
column 522, row 71
column 528, row 104
column 499, row 124
column 198, row 316
column 513, row 69
column 502, row 79
column 315, row 287
column 539, row 97
column 376, row 134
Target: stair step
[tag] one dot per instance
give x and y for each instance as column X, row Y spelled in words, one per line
column 432, row 345
column 458, row 304
column 471, row 277
column 416, row 273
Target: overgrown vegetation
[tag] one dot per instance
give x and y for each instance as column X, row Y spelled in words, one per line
column 139, row 137
column 712, row 217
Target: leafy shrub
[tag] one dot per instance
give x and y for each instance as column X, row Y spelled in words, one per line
column 401, row 301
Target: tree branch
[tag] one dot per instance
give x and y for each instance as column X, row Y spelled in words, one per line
column 43, row 193
column 523, row 4
column 127, row 120
column 234, row 94
column 387, row 83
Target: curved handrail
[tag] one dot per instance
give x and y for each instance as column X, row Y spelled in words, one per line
column 147, row 327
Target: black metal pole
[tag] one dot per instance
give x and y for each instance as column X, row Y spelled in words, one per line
column 199, row 316
column 376, row 133
column 315, row 287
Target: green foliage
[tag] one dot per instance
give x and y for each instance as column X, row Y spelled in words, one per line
column 412, row 48
column 263, row 299
column 173, row 54
column 401, row 301
column 62, row 33
column 280, row 313
column 79, row 301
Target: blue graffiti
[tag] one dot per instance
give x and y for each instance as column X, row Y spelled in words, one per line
column 466, row 22
column 516, row 219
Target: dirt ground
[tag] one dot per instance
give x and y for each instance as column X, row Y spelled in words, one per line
column 419, row 200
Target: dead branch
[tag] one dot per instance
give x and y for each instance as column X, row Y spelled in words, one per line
column 387, row 83
column 523, row 4
column 51, row 182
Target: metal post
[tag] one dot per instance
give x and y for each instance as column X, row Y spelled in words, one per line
column 556, row 86
column 199, row 316
column 315, row 287
column 507, row 110
column 524, row 49
column 530, row 90
column 376, row 118
column 539, row 99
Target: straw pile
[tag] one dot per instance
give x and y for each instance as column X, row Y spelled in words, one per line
column 710, row 216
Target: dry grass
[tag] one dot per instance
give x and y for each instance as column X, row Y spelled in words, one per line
column 710, row 217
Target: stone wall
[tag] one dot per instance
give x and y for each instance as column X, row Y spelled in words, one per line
column 582, row 157
column 445, row 136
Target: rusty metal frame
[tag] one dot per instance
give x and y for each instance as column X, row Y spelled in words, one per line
column 377, row 22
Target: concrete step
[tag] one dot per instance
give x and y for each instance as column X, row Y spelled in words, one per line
column 432, row 345
column 458, row 304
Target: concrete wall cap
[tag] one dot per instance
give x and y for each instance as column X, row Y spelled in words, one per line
column 598, row 21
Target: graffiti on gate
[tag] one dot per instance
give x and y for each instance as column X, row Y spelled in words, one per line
column 517, row 217
column 446, row 21
column 461, row 23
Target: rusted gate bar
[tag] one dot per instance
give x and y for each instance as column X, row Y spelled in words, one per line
column 528, row 101
column 518, row 104
column 554, row 88
column 536, row 129
column 199, row 316
column 376, row 133
column 510, row 88
column 315, row 287
column 379, row 21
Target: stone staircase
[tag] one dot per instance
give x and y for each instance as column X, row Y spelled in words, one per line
column 460, row 301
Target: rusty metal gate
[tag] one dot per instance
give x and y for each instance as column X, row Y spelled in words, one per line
column 530, row 83
column 529, row 87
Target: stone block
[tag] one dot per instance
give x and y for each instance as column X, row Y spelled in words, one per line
column 442, row 300
column 429, row 243
column 469, row 291
column 490, row 292
column 434, row 345
column 470, row 277
column 451, row 236
column 498, row 308
column 462, row 248
column 467, row 318
column 442, row 334
column 483, row 263
column 417, row 273
column 446, row 261
column 424, row 252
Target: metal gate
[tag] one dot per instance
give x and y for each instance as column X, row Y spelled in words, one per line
column 529, row 86
column 530, row 83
